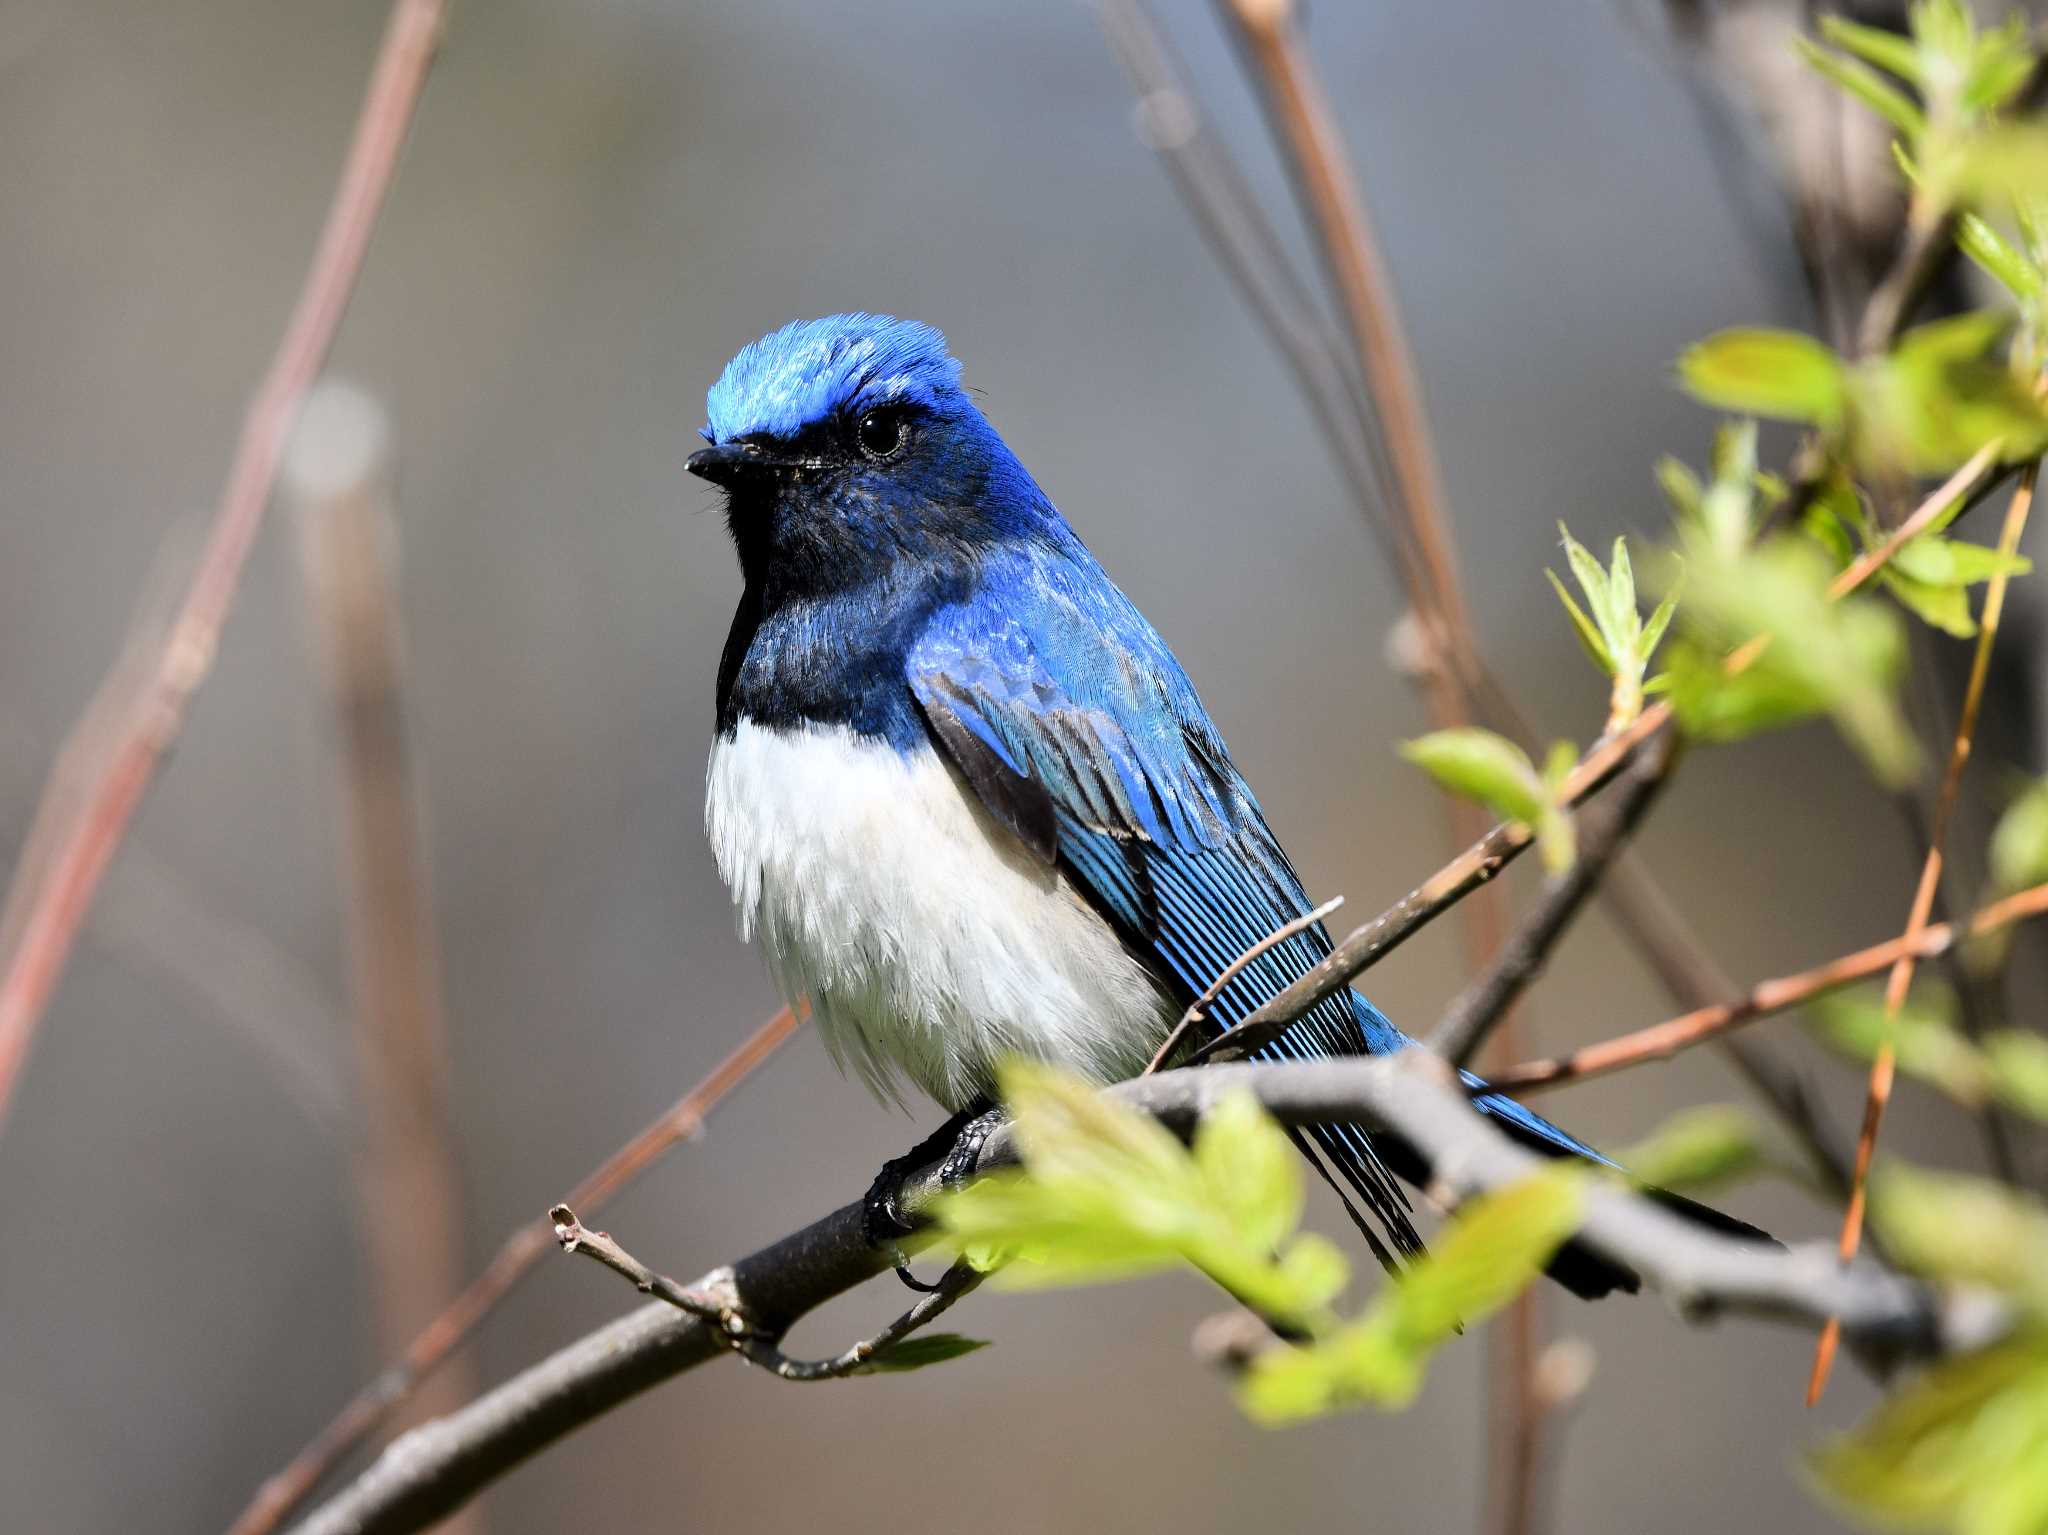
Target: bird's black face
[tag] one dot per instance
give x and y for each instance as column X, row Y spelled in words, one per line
column 844, row 498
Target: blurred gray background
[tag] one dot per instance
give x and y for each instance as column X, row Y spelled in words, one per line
column 601, row 201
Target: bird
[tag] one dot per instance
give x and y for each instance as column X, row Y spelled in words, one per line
column 962, row 792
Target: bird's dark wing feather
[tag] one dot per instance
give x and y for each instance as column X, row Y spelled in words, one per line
column 1065, row 713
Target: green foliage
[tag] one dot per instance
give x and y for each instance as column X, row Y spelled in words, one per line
column 921, row 1349
column 1930, row 575
column 2019, row 843
column 1803, row 654
column 2008, row 1067
column 1480, row 765
column 1702, row 1148
column 1964, row 1447
column 1938, row 396
column 1964, row 76
column 1613, row 633
column 2018, row 1064
column 1107, row 1193
column 1777, row 373
column 1486, row 1257
column 1943, row 391
column 1963, row 1230
column 1923, row 1037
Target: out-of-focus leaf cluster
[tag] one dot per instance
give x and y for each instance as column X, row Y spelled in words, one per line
column 1107, row 1193
column 2008, row 1066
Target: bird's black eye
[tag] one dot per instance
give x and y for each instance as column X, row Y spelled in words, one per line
column 880, row 434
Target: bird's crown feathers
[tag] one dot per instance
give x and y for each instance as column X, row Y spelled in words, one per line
column 813, row 369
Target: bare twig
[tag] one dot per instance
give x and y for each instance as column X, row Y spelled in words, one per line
column 1195, row 1012
column 1368, row 945
column 1660, row 1041
column 338, row 478
column 56, row 907
column 1475, row 1010
column 434, row 1469
column 276, row 1499
column 1956, row 487
column 1900, row 981
column 721, row 1307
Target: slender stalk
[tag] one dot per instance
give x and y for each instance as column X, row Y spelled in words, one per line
column 281, row 1494
column 52, row 909
column 1883, row 1070
column 1663, row 1040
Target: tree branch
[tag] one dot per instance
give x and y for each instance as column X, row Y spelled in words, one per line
column 1473, row 1013
column 361, row 1416
column 434, row 1469
column 1663, row 1040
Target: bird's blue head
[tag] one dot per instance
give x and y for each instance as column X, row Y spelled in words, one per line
column 847, row 444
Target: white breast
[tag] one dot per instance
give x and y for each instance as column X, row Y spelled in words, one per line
column 929, row 942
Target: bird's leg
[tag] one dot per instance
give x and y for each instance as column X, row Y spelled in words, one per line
column 959, row 1141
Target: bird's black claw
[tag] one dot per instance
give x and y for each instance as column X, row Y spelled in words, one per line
column 965, row 1156
column 883, row 1221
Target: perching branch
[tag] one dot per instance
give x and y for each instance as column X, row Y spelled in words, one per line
column 367, row 1410
column 425, row 1474
column 722, row 1310
column 105, row 778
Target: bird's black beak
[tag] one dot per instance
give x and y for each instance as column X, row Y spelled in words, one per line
column 730, row 463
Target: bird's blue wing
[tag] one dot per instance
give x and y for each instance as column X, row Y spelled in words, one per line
column 1075, row 726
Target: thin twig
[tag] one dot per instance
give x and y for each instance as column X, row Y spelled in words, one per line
column 56, row 907
column 1660, row 1041
column 338, row 480
column 1900, row 981
column 427, row 1473
column 1195, row 1013
column 1368, row 945
column 282, row 1493
column 1475, row 1010
column 1957, row 486
column 1921, row 254
column 723, row 1310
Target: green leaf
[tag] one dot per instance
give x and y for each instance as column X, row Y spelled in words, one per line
column 1867, row 86
column 1482, row 766
column 1107, row 1193
column 1701, row 1148
column 1557, row 840
column 2019, row 844
column 1681, row 487
column 1839, row 658
column 1889, row 51
column 1488, row 1255
column 2019, row 1071
column 1922, row 1036
column 922, row 1349
column 1962, row 1447
column 1998, row 257
column 1940, row 395
column 1777, row 373
column 1653, row 631
column 1582, row 626
column 1946, row 608
column 1250, row 1169
column 1963, row 1230
column 1938, row 561
column 2008, row 161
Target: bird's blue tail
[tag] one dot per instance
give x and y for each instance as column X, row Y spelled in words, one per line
column 1364, row 1161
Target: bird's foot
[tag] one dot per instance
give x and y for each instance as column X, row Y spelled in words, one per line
column 959, row 1140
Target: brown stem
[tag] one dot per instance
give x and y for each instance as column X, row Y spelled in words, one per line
column 1660, row 1041
column 52, row 911
column 1900, row 981
column 282, row 1493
